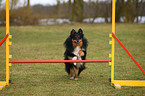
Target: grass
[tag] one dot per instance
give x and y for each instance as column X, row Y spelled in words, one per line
column 46, row 43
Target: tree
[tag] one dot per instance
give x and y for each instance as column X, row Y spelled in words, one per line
column 13, row 4
column 142, row 8
column 13, row 13
column 78, row 10
column 138, row 6
column 96, row 8
column 70, row 13
column 129, row 12
column 106, row 11
column 57, row 8
column 0, row 3
column 119, row 10
column 2, row 14
column 28, row 3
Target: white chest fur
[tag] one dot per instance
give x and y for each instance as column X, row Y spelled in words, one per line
column 77, row 57
column 76, row 50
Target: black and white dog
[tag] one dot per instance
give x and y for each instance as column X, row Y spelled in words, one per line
column 76, row 49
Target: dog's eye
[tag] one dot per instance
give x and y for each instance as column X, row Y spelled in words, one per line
column 74, row 41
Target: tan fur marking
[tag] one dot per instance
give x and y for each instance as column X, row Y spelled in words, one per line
column 71, row 72
column 76, row 73
column 81, row 53
column 75, row 41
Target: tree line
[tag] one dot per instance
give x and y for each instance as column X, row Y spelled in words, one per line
column 74, row 10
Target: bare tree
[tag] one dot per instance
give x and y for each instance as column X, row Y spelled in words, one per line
column 57, row 8
column 28, row 3
column 2, row 14
column 106, row 11
column 142, row 7
column 13, row 4
column 138, row 7
column 96, row 8
column 0, row 3
column 130, row 11
column 78, row 10
column 70, row 13
column 120, row 4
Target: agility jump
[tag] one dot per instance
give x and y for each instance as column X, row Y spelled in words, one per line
column 115, row 83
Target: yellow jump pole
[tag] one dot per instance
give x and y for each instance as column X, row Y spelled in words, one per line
column 112, row 42
column 7, row 43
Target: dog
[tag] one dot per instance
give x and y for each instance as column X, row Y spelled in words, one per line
column 76, row 49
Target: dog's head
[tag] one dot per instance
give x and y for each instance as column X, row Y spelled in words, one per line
column 77, row 38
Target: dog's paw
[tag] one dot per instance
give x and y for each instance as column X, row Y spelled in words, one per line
column 71, row 78
column 74, row 58
column 81, row 53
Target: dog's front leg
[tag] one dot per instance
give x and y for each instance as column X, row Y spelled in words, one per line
column 72, row 73
column 76, row 73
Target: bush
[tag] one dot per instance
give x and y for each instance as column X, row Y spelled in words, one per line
column 23, row 16
column 2, row 17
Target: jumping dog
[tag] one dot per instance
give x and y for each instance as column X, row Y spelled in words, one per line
column 76, row 49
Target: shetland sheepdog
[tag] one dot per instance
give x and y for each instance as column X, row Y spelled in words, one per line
column 76, row 49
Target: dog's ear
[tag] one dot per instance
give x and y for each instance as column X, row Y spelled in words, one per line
column 80, row 31
column 72, row 33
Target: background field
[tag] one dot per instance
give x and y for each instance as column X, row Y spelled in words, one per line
column 46, row 43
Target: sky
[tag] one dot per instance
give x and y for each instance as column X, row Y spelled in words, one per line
column 46, row 2
column 43, row 2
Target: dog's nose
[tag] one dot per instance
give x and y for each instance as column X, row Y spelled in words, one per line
column 77, row 42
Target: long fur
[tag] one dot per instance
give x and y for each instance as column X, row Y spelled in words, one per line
column 68, row 52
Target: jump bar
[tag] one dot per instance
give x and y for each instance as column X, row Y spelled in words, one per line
column 58, row 61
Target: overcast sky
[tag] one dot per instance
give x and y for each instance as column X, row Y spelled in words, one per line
column 46, row 2
column 50, row 2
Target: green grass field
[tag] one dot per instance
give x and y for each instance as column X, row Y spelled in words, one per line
column 46, row 43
